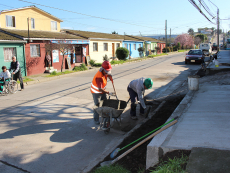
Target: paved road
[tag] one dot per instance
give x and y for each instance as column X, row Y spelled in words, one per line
column 48, row 127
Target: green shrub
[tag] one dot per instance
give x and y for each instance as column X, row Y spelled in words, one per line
column 175, row 48
column 178, row 45
column 141, row 50
column 122, row 53
column 92, row 62
column 53, row 73
column 117, row 62
column 97, row 65
column 82, row 67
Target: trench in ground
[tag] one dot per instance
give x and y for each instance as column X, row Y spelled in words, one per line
column 136, row 160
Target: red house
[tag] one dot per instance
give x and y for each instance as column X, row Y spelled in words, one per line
column 36, row 50
column 161, row 45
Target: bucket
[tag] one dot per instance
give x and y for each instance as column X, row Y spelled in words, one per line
column 216, row 63
column 193, row 82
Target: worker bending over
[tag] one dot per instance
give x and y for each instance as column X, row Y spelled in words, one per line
column 136, row 90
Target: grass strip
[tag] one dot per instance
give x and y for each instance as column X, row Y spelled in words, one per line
column 176, row 165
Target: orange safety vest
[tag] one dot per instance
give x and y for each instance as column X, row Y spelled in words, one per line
column 94, row 88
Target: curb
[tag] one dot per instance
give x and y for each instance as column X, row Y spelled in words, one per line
column 154, row 148
column 70, row 74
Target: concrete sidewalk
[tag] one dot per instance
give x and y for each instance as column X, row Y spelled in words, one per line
column 204, row 119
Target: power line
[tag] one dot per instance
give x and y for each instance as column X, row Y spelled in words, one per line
column 97, row 17
column 196, row 6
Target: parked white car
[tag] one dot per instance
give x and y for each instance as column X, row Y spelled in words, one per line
column 206, row 48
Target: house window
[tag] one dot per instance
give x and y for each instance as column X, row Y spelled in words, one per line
column 126, row 46
column 118, row 45
column 139, row 45
column 32, row 23
column 148, row 46
column 35, row 50
column 134, row 47
column 105, row 46
column 10, row 21
column 95, row 46
column 54, row 25
column 9, row 52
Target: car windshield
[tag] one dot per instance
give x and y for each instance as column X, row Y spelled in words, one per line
column 205, row 45
column 195, row 52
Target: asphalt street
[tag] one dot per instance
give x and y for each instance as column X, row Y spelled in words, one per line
column 49, row 126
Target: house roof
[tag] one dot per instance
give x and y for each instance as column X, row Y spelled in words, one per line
column 149, row 39
column 23, row 34
column 95, row 35
column 90, row 35
column 34, row 8
column 4, row 36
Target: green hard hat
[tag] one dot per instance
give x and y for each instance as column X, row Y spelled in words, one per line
column 148, row 83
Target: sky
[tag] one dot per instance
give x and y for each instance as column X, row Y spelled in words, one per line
column 132, row 17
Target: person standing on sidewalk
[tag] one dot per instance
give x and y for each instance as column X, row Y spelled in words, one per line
column 98, row 86
column 136, row 90
column 48, row 59
column 15, row 66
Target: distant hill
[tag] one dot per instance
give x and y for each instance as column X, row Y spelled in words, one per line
column 160, row 36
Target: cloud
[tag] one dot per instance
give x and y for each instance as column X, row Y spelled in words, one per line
column 67, row 27
column 91, row 28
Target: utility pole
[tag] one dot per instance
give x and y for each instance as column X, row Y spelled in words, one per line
column 170, row 36
column 166, row 34
column 218, row 30
column 28, row 20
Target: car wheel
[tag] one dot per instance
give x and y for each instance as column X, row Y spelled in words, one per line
column 185, row 62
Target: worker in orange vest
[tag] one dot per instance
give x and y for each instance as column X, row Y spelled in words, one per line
column 98, row 86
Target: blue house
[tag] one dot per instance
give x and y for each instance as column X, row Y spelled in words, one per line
column 132, row 46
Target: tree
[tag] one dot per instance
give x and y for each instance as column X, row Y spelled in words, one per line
column 191, row 32
column 122, row 53
column 197, row 41
column 62, row 46
column 185, row 40
column 141, row 50
column 203, row 37
column 114, row 32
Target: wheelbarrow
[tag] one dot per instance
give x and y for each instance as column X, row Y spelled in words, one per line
column 109, row 109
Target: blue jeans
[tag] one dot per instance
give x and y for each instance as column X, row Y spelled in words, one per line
column 133, row 96
column 97, row 98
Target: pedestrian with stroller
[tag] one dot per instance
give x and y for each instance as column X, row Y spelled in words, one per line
column 15, row 67
column 4, row 77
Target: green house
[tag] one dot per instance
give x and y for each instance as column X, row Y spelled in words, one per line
column 10, row 46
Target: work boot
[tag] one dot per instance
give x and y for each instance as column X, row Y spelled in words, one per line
column 96, row 122
column 134, row 117
column 105, row 124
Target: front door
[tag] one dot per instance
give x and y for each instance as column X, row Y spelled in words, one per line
column 113, row 50
column 129, row 49
column 78, row 53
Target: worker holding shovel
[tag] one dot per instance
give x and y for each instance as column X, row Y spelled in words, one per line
column 98, row 86
column 136, row 89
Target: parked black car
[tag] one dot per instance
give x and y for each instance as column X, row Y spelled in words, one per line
column 194, row 55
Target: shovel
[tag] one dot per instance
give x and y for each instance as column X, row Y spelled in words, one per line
column 107, row 163
column 114, row 90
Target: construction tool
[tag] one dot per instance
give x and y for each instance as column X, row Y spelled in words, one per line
column 115, row 152
column 114, row 90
